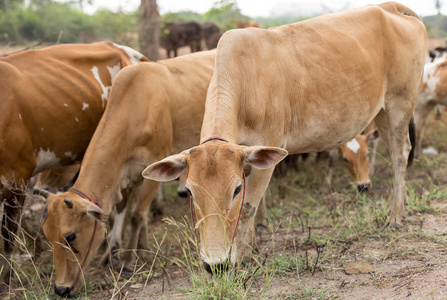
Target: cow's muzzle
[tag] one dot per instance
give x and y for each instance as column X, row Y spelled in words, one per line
column 217, row 268
column 62, row 290
column 363, row 187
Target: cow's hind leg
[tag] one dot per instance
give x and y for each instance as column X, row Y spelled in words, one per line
column 423, row 111
column 393, row 127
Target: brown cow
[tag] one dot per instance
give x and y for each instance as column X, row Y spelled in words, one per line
column 154, row 109
column 52, row 100
column 432, row 94
column 305, row 87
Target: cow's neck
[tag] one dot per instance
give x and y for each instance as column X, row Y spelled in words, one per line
column 220, row 121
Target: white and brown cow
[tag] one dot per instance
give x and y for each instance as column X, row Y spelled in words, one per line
column 304, row 87
column 154, row 109
column 51, row 102
column 432, row 94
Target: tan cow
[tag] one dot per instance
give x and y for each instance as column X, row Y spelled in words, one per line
column 51, row 102
column 432, row 94
column 154, row 109
column 304, row 87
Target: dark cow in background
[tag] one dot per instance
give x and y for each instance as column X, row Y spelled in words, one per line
column 176, row 35
column 212, row 35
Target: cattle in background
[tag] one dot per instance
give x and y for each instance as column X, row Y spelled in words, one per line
column 165, row 100
column 306, row 87
column 432, row 94
column 212, row 35
column 51, row 102
column 355, row 156
column 176, row 35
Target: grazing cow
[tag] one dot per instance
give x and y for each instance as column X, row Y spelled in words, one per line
column 176, row 35
column 432, row 94
column 154, row 109
column 355, row 156
column 52, row 100
column 212, row 35
column 305, row 87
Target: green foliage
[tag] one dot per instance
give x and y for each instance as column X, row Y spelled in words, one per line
column 436, row 25
column 118, row 27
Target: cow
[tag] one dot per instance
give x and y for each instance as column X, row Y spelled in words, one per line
column 433, row 93
column 52, row 100
column 304, row 87
column 154, row 109
column 212, row 35
column 176, row 35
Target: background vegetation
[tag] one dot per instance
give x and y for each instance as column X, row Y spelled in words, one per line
column 54, row 22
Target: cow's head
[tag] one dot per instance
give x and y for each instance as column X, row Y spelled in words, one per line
column 355, row 155
column 215, row 182
column 75, row 227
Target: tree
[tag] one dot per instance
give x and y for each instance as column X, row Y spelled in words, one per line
column 438, row 5
column 149, row 29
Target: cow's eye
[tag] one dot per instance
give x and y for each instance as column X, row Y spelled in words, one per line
column 237, row 191
column 188, row 191
column 70, row 238
column 345, row 159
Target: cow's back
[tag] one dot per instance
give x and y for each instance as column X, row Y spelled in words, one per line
column 55, row 97
column 269, row 82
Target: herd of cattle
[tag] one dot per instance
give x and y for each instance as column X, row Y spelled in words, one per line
column 237, row 110
column 192, row 34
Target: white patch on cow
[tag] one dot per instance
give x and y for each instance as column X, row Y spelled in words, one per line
column 115, row 236
column 84, row 106
column 20, row 116
column 134, row 55
column 45, row 159
column 430, row 151
column 65, row 104
column 113, row 71
column 440, row 58
column 70, row 155
column 77, row 120
column 353, row 145
column 105, row 89
column 431, row 80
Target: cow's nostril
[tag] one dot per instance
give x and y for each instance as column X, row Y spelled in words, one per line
column 61, row 291
column 362, row 187
column 182, row 194
column 218, row 268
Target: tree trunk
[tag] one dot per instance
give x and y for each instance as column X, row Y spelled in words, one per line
column 149, row 30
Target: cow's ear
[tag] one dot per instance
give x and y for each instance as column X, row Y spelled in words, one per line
column 261, row 157
column 93, row 211
column 41, row 192
column 167, row 169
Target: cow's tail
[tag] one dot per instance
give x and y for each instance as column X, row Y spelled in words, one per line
column 412, row 134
